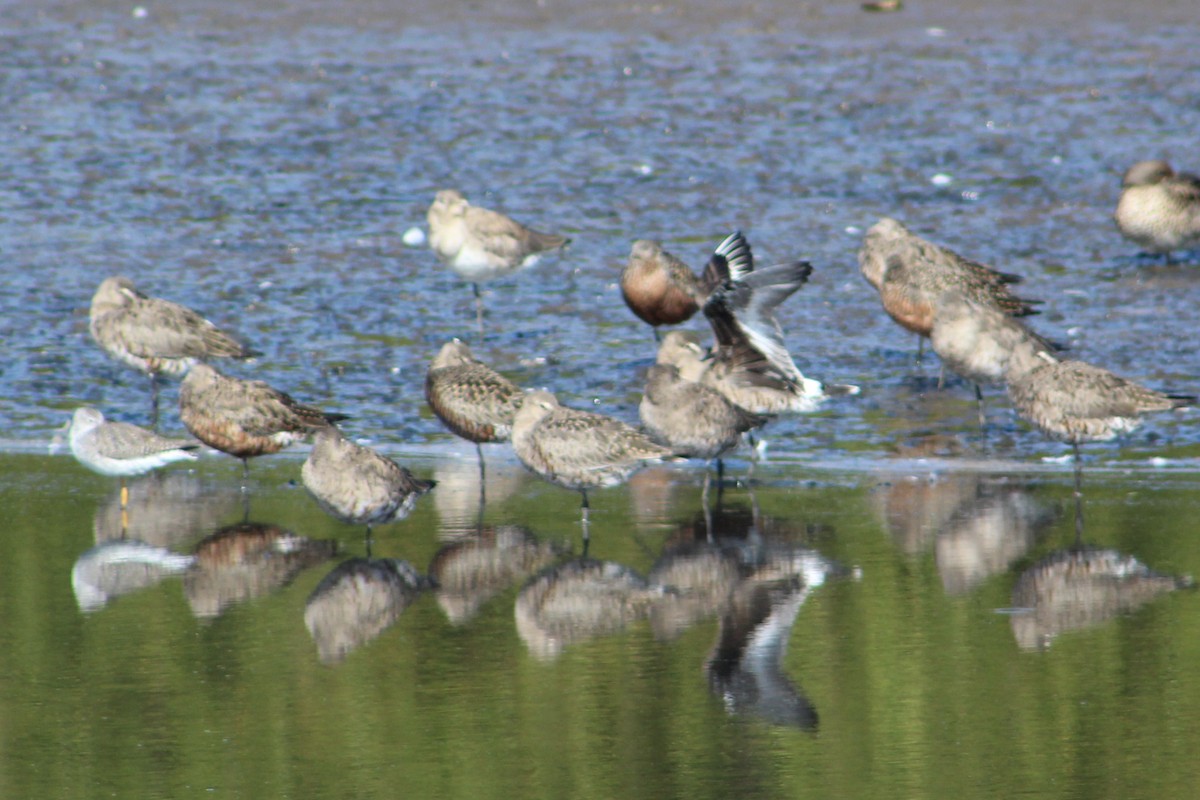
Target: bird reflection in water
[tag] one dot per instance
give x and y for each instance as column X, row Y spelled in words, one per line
column 165, row 509
column 745, row 667
column 472, row 570
column 1081, row 588
column 358, row 601
column 116, row 568
column 250, row 559
column 580, row 600
column 978, row 525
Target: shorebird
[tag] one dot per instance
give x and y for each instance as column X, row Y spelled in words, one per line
column 1159, row 209
column 245, row 418
column 471, row 399
column 910, row 273
column 579, row 450
column 975, row 340
column 480, row 244
column 120, row 449
column 1076, row 402
column 357, row 485
column 750, row 364
column 153, row 335
column 662, row 290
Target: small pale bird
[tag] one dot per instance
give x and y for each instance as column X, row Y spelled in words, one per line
column 245, row 418
column 120, row 449
column 1159, row 208
column 153, row 335
column 480, row 244
column 356, row 484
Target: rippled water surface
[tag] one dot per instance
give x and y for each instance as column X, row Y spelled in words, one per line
column 870, row 623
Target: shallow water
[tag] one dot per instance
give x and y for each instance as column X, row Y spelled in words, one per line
column 262, row 166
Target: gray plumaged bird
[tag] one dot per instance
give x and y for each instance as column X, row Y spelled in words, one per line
column 356, row 484
column 976, row 340
column 153, row 335
column 120, row 449
column 1159, row 209
column 245, row 418
column 1078, row 402
column 480, row 244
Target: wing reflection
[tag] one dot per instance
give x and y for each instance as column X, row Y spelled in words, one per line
column 164, row 509
column 745, row 668
column 357, row 601
column 113, row 569
column 580, row 600
column 471, row 571
column 1076, row 589
column 248, row 560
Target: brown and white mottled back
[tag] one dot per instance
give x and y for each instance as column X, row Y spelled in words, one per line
column 469, row 397
column 1077, row 402
column 244, row 418
column 357, row 485
column 578, row 449
column 1159, row 209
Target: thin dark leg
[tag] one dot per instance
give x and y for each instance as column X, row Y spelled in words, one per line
column 708, row 532
column 587, row 538
column 657, row 335
column 1078, row 496
column 982, row 413
column 482, row 488
column 154, row 401
column 478, row 309
column 942, row 377
column 720, row 472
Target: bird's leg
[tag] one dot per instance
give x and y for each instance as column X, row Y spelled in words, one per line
column 1078, row 495
column 482, row 489
column 478, row 309
column 708, row 532
column 124, row 508
column 720, row 473
column 982, row 413
column 586, row 524
column 154, row 401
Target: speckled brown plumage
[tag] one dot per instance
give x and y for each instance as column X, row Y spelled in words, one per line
column 469, row 397
column 154, row 335
column 578, row 449
column 244, row 418
column 910, row 273
column 357, row 485
column 1078, row 402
